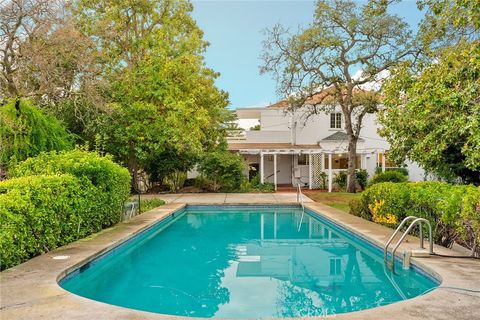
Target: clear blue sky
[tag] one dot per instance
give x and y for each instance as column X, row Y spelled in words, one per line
column 234, row 30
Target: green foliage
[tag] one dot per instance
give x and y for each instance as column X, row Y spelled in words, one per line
column 361, row 177
column 402, row 170
column 341, row 179
column 149, row 204
column 323, row 180
column 110, row 180
column 25, row 131
column 431, row 103
column 57, row 198
column 357, row 208
column 343, row 34
column 169, row 162
column 453, row 210
column 162, row 96
column 388, row 176
column 175, row 180
column 40, row 213
column 255, row 186
column 224, row 169
column 437, row 124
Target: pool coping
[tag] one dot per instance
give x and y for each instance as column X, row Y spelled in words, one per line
column 31, row 290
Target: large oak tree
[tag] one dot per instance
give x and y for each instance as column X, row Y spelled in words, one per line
column 344, row 37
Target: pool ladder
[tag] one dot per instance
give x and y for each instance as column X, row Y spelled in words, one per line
column 300, row 201
column 390, row 263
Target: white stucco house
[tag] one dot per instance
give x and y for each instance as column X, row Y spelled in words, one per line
column 292, row 148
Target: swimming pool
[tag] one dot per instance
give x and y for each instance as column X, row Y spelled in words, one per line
column 245, row 262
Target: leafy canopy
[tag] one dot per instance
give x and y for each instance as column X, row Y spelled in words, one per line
column 317, row 68
column 25, row 131
column 162, row 96
column 432, row 106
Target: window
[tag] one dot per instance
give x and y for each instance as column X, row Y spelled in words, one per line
column 335, row 120
column 335, row 266
column 388, row 162
column 302, row 159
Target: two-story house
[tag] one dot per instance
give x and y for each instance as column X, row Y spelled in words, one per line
column 292, row 148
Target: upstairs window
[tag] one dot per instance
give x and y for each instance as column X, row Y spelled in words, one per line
column 335, row 120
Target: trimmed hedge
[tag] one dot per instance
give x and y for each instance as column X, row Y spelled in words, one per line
column 58, row 198
column 453, row 210
column 111, row 181
column 388, row 176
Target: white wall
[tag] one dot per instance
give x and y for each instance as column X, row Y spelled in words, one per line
column 276, row 128
column 267, row 136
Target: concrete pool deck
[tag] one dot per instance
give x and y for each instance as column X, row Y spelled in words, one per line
column 229, row 198
column 30, row 290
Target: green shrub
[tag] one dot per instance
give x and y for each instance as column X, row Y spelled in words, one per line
column 57, row 198
column 224, row 169
column 357, row 209
column 255, row 186
column 402, row 170
column 388, row 176
column 341, row 179
column 40, row 213
column 175, row 180
column 361, row 175
column 202, row 183
column 255, row 180
column 111, row 181
column 149, row 204
column 453, row 210
column 25, row 131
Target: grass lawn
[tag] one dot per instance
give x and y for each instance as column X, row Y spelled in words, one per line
column 337, row 200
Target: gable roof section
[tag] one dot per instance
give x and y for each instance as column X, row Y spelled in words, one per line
column 338, row 136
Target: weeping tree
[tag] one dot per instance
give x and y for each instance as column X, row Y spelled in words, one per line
column 25, row 131
column 336, row 61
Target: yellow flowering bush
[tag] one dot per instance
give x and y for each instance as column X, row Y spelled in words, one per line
column 378, row 216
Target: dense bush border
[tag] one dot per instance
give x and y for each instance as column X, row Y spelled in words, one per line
column 453, row 210
column 57, row 198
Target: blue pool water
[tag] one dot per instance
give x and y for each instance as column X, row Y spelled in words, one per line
column 245, row 262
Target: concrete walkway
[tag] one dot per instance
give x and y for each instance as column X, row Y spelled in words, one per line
column 229, row 198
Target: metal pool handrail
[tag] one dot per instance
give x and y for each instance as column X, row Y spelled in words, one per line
column 419, row 221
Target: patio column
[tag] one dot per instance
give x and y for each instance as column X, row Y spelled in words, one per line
column 330, row 173
column 322, row 162
column 310, row 171
column 261, row 168
column 275, row 170
column 363, row 161
column 383, row 161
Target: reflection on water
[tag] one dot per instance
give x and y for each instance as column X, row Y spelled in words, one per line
column 246, row 263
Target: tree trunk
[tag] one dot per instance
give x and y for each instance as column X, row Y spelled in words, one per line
column 352, row 164
column 132, row 167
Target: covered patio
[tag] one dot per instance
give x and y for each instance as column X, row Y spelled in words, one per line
column 303, row 164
